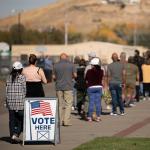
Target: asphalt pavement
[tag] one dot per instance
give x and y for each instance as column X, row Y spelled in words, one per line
column 135, row 123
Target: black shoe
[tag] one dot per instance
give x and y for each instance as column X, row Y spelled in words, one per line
column 67, row 125
column 14, row 142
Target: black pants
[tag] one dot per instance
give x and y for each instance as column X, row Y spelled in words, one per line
column 34, row 89
column 146, row 89
column 137, row 96
column 15, row 122
column 48, row 74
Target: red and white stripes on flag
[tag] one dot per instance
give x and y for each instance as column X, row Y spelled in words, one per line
column 41, row 107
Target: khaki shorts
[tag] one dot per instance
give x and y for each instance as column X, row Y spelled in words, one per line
column 129, row 89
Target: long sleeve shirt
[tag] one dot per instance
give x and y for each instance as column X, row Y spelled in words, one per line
column 15, row 92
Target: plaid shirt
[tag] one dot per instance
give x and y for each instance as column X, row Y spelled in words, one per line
column 15, row 92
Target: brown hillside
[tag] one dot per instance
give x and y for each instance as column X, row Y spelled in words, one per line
column 82, row 15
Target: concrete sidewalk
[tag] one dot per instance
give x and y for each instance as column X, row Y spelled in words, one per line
column 135, row 123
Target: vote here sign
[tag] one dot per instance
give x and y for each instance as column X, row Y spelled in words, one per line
column 40, row 119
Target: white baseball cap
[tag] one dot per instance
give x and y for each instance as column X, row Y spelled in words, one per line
column 92, row 54
column 95, row 61
column 17, row 65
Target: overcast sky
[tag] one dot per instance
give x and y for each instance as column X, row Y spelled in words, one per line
column 6, row 6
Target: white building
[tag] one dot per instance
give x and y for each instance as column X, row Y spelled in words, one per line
column 122, row 1
column 103, row 50
column 134, row 1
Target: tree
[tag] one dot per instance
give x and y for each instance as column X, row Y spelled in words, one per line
column 53, row 36
column 16, row 33
column 5, row 36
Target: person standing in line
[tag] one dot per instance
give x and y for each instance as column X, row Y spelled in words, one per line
column 116, row 78
column 131, row 78
column 91, row 55
column 146, row 79
column 89, row 66
column 76, row 63
column 93, row 79
column 138, row 60
column 124, row 62
column 80, row 86
column 48, row 67
column 106, row 93
column 15, row 96
column 34, row 78
column 64, row 72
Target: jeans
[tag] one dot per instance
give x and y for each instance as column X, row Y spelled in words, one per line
column 15, row 122
column 94, row 94
column 116, row 94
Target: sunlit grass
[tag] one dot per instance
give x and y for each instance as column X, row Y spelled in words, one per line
column 113, row 143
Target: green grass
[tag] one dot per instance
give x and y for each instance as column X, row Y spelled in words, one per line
column 114, row 143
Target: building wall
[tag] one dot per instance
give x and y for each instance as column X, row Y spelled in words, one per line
column 102, row 50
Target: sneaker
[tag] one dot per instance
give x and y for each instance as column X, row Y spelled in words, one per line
column 67, row 125
column 72, row 108
column 98, row 119
column 132, row 105
column 16, row 138
column 89, row 119
column 113, row 114
column 122, row 113
column 147, row 98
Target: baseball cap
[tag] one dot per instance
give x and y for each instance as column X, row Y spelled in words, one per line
column 95, row 61
column 17, row 65
column 92, row 54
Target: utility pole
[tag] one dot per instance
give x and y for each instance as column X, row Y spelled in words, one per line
column 18, row 13
column 135, row 31
column 66, row 33
column 19, row 27
column 66, row 24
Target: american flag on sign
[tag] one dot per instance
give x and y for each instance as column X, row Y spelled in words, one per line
column 41, row 107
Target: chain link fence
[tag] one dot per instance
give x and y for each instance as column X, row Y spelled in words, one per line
column 7, row 61
column 5, row 66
